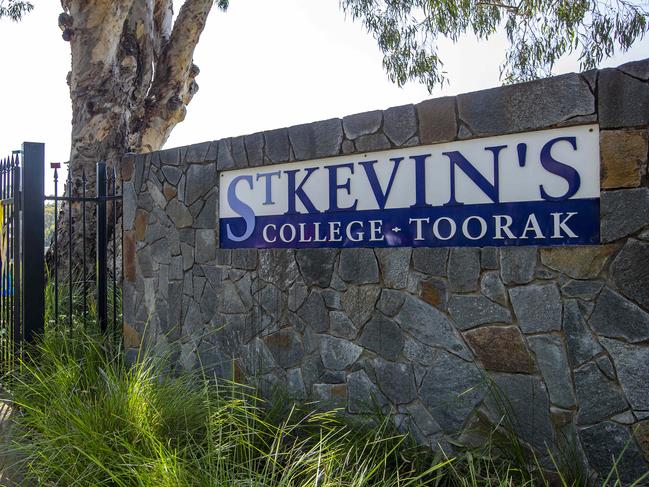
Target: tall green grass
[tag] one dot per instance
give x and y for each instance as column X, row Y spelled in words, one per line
column 86, row 419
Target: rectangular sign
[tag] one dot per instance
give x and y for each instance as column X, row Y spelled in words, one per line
column 535, row 188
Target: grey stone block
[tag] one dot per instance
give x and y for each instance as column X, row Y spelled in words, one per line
column 623, row 212
column 316, row 265
column 205, row 246
column 470, row 311
column 314, row 312
column 330, row 395
column 606, row 442
column 524, row 106
column 489, row 258
column 598, row 397
column 197, row 153
column 224, row 159
column 295, row 384
column 341, row 326
column 553, row 362
column 278, row 266
column 632, row 365
column 430, row 326
column 623, row 100
column 338, row 353
column 524, row 401
column 517, row 264
column 172, row 174
column 383, row 336
column 238, row 151
column 245, row 259
column 277, row 145
column 170, row 156
column 636, row 69
column 358, row 266
column 200, row 179
column 630, row 272
column 430, row 260
column 614, row 316
column 318, row 139
column 254, row 145
column 359, row 301
column 390, row 302
column 582, row 345
column 394, row 263
column 400, row 123
column 464, row 269
column 362, row 394
column 373, row 142
column 493, row 288
column 451, row 389
column 362, row 123
column 537, row 307
column 396, row 380
column 179, row 214
column 581, row 289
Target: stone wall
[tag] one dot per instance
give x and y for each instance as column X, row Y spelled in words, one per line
column 563, row 333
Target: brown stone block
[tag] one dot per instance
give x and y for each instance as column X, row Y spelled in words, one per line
column 501, row 348
column 641, row 433
column 128, row 166
column 437, row 120
column 129, row 256
column 169, row 191
column 623, row 156
column 579, row 262
column 131, row 337
column 141, row 222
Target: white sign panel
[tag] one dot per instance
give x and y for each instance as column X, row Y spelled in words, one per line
column 536, row 188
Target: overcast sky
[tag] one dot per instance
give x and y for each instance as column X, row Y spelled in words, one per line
column 264, row 64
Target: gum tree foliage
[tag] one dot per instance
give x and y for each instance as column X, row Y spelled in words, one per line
column 539, row 32
column 132, row 71
column 14, row 9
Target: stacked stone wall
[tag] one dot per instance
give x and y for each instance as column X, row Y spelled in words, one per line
column 426, row 333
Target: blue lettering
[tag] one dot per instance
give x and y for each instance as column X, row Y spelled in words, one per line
column 491, row 190
column 560, row 169
column 241, row 208
column 420, row 181
column 269, row 187
column 380, row 196
column 298, row 192
column 334, row 186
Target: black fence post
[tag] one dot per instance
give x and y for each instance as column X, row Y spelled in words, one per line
column 102, row 248
column 33, row 232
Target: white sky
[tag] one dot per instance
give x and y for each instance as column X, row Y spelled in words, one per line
column 264, row 64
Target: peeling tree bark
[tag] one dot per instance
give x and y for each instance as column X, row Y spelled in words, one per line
column 131, row 80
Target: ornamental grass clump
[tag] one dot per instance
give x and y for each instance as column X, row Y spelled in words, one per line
column 85, row 418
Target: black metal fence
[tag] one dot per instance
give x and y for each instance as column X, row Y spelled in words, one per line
column 77, row 291
column 89, row 290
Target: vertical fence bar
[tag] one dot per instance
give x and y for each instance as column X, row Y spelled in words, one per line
column 70, row 272
column 33, row 211
column 84, row 182
column 56, row 243
column 114, row 209
column 102, row 247
column 16, row 190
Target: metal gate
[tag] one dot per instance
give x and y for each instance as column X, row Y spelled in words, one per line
column 24, row 312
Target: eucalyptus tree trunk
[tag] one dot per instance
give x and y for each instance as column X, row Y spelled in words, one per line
column 131, row 78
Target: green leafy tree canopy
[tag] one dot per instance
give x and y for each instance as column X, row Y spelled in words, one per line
column 14, row 9
column 539, row 32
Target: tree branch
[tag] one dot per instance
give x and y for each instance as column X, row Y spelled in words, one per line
column 173, row 85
